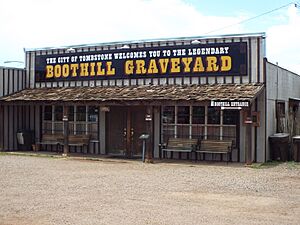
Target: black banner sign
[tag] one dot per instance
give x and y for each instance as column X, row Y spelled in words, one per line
column 228, row 59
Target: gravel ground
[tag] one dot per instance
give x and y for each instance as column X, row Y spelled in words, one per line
column 42, row 191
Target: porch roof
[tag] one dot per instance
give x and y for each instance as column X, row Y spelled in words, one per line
column 147, row 93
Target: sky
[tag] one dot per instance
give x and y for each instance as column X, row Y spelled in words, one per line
column 54, row 23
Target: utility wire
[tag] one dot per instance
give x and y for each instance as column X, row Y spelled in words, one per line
column 296, row 4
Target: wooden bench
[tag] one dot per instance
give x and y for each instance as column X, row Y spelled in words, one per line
column 51, row 139
column 216, row 147
column 58, row 140
column 180, row 145
column 79, row 140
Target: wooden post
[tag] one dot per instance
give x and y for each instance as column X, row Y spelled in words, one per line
column 66, row 130
column 129, row 134
column 149, row 130
column 248, row 139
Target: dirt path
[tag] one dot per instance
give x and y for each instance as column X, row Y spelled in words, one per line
column 46, row 191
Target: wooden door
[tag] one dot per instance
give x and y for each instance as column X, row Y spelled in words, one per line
column 138, row 127
column 115, row 130
column 124, row 127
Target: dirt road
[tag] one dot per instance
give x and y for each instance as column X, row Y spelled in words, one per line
column 44, row 191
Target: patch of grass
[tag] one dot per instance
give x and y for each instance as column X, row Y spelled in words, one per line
column 293, row 165
column 271, row 164
column 266, row 165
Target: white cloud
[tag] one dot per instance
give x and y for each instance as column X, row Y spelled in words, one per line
column 283, row 42
column 44, row 23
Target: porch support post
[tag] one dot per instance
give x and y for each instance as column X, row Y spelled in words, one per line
column 149, row 130
column 249, row 138
column 66, row 130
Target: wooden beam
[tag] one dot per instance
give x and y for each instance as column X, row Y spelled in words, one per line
column 149, row 130
column 66, row 129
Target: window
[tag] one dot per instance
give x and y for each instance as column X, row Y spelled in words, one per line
column 169, row 114
column 203, row 122
column 82, row 120
column 48, row 113
column 213, row 115
column 183, row 115
column 93, row 114
column 81, row 113
column 230, row 117
column 71, row 113
column 198, row 116
column 58, row 113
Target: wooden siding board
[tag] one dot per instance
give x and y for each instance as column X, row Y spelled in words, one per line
column 243, row 138
column 2, row 82
column 2, row 128
column 156, row 138
column 6, row 128
column 15, row 126
column 102, row 132
column 37, row 121
column 6, row 82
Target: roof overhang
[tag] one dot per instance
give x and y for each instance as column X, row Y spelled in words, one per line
column 145, row 94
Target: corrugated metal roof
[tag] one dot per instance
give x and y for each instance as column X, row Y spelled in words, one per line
column 144, row 41
column 146, row 93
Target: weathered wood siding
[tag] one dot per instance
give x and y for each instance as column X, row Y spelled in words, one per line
column 281, row 85
column 11, row 117
column 255, row 74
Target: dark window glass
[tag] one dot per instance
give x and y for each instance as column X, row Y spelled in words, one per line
column 58, row 113
column 81, row 113
column 71, row 113
column 93, row 114
column 183, row 115
column 213, row 115
column 48, row 113
column 230, row 117
column 198, row 116
column 169, row 114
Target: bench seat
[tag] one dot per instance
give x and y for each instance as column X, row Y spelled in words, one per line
column 80, row 140
column 51, row 139
column 216, row 147
column 180, row 145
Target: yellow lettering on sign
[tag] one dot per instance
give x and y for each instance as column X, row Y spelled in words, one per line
column 84, row 72
column 212, row 64
column 175, row 65
column 129, row 67
column 49, row 71
column 163, row 64
column 140, row 67
column 92, row 69
column 198, row 66
column 100, row 70
column 152, row 67
column 109, row 69
column 65, row 70
column 186, row 62
column 226, row 63
column 74, row 68
column 57, row 71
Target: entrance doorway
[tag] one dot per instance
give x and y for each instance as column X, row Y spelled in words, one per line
column 124, row 127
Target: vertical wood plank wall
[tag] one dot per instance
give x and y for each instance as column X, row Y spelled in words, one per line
column 11, row 116
column 256, row 54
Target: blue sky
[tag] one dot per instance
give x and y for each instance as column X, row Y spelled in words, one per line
column 44, row 23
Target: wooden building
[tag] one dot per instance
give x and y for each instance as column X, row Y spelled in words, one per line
column 217, row 87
